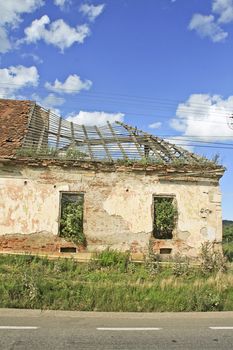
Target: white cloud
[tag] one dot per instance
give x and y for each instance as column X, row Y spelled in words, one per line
column 204, row 116
column 60, row 3
column 10, row 15
column 15, row 78
column 224, row 8
column 57, row 33
column 95, row 118
column 34, row 57
column 206, row 26
column 209, row 26
column 155, row 125
column 91, row 11
column 50, row 102
column 72, row 85
column 5, row 44
column 12, row 10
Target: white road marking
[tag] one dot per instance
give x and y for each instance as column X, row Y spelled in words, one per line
column 222, row 327
column 128, row 329
column 18, row 327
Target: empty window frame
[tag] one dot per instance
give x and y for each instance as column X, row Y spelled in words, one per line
column 165, row 216
column 71, row 217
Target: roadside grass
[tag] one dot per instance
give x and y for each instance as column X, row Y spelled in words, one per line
column 228, row 239
column 111, row 283
column 228, row 250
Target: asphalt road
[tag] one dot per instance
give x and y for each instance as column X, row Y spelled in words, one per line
column 33, row 329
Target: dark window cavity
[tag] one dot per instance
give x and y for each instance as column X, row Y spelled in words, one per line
column 68, row 250
column 165, row 251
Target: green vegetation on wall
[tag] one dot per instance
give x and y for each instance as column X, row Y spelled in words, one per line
column 228, row 239
column 71, row 222
column 165, row 216
column 227, row 231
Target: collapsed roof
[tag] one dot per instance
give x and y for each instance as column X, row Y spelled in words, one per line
column 27, row 129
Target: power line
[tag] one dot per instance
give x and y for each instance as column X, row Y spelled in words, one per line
column 104, row 94
column 201, row 141
column 204, row 146
column 134, row 99
column 162, row 107
column 142, row 115
column 198, row 136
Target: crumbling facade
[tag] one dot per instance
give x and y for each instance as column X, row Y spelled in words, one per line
column 113, row 179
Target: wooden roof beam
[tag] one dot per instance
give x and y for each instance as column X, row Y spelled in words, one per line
column 117, row 141
column 133, row 137
column 104, row 144
column 88, row 142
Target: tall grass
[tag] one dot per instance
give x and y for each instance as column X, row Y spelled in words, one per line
column 111, row 283
column 228, row 250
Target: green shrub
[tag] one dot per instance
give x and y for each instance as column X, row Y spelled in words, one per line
column 73, row 153
column 180, row 266
column 112, row 258
column 164, row 218
column 71, row 223
column 228, row 251
column 227, row 231
column 153, row 260
column 65, row 284
column 212, row 260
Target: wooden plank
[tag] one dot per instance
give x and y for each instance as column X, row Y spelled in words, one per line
column 117, row 141
column 154, row 148
column 184, row 154
column 42, row 131
column 72, row 132
column 103, row 143
column 41, row 138
column 163, row 147
column 58, row 132
column 95, row 141
column 31, row 114
column 133, row 137
column 88, row 142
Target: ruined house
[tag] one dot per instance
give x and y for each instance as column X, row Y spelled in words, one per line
column 74, row 188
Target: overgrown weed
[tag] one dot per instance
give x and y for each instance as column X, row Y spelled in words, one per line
column 112, row 259
column 32, row 282
column 212, row 260
column 180, row 266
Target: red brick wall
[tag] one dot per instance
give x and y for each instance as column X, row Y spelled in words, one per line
column 13, row 124
column 34, row 243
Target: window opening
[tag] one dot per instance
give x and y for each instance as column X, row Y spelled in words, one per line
column 71, row 217
column 165, row 216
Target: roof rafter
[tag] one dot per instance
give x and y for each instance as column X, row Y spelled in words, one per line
column 108, row 142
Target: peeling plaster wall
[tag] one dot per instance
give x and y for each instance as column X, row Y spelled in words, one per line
column 118, row 207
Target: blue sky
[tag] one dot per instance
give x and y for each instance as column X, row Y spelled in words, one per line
column 165, row 66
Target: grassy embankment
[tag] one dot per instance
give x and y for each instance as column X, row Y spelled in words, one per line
column 114, row 284
column 228, row 239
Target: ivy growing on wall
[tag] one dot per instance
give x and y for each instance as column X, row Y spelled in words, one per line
column 71, row 221
column 165, row 216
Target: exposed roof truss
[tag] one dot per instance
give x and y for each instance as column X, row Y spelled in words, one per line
column 51, row 135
